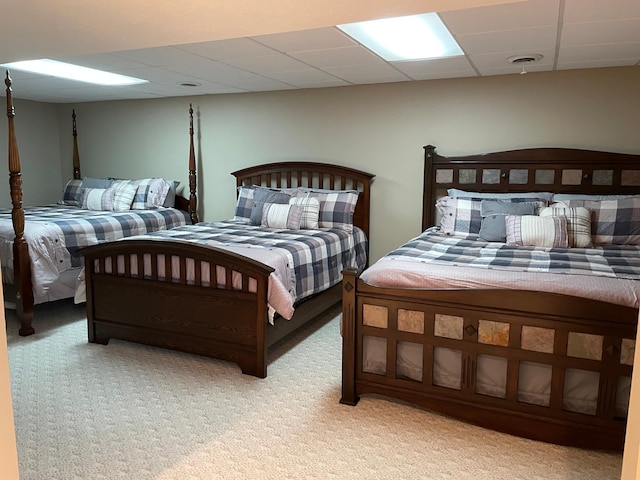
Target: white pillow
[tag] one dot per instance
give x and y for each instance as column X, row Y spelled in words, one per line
column 281, row 215
column 310, row 211
column 123, row 195
column 578, row 223
column 535, row 231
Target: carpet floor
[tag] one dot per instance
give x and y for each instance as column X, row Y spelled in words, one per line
column 127, row 411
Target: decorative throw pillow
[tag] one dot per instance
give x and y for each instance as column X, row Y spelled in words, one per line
column 614, row 222
column 244, row 203
column 492, row 228
column 150, row 194
column 123, row 193
column 535, row 231
column 262, row 195
column 281, row 215
column 97, row 198
column 578, row 223
column 463, row 216
column 310, row 211
column 72, row 194
column 170, row 200
column 336, row 206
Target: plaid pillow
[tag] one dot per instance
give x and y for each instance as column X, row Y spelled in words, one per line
column 463, row 216
column 535, row 231
column 123, row 193
column 244, row 204
column 336, row 207
column 311, row 211
column 612, row 221
column 578, row 223
column 151, row 193
column 265, row 195
column 97, row 199
column 72, row 194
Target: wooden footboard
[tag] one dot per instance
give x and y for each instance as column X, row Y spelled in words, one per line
column 224, row 318
column 565, row 335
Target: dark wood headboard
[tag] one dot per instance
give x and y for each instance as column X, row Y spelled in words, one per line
column 558, row 170
column 313, row 175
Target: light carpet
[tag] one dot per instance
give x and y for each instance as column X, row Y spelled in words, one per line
column 127, row 411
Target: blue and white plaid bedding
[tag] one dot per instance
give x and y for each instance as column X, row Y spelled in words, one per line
column 55, row 233
column 316, row 257
column 615, row 261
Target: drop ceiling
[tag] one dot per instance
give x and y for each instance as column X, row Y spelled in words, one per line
column 231, row 46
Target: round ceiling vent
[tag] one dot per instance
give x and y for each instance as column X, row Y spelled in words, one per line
column 524, row 60
column 189, row 84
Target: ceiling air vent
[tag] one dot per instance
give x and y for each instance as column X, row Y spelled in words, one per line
column 524, row 60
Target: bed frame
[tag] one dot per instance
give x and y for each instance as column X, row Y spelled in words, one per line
column 541, row 169
column 220, row 322
column 21, row 291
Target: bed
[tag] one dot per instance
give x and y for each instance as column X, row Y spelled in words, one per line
column 208, row 288
column 39, row 246
column 547, row 362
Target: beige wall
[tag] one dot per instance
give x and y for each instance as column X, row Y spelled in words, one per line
column 376, row 128
column 8, row 451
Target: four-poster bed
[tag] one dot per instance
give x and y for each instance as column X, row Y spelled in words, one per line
column 23, row 230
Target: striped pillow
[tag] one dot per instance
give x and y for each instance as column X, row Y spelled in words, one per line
column 281, row 215
column 123, row 193
column 97, row 199
column 535, row 231
column 310, row 211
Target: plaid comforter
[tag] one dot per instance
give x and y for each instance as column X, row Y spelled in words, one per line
column 55, row 233
column 617, row 261
column 316, row 258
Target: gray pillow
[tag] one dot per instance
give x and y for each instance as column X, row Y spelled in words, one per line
column 90, row 182
column 493, row 212
column 263, row 195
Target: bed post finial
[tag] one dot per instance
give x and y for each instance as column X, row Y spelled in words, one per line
column 76, row 155
column 193, row 200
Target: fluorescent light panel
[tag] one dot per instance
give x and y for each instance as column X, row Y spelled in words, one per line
column 54, row 68
column 416, row 37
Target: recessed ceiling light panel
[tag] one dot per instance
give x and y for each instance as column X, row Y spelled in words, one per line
column 416, row 37
column 45, row 66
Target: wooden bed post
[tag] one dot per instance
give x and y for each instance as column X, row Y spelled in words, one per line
column 429, row 197
column 76, row 155
column 349, row 280
column 21, row 261
column 193, row 200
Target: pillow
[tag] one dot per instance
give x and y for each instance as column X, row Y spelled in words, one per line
column 336, row 206
column 244, row 203
column 463, row 216
column 262, row 195
column 123, row 193
column 562, row 197
column 72, row 194
column 310, row 211
column 281, row 215
column 492, row 228
column 578, row 223
column 612, row 221
column 532, row 230
column 151, row 193
column 454, row 192
column 90, row 182
column 97, row 198
column 170, row 201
